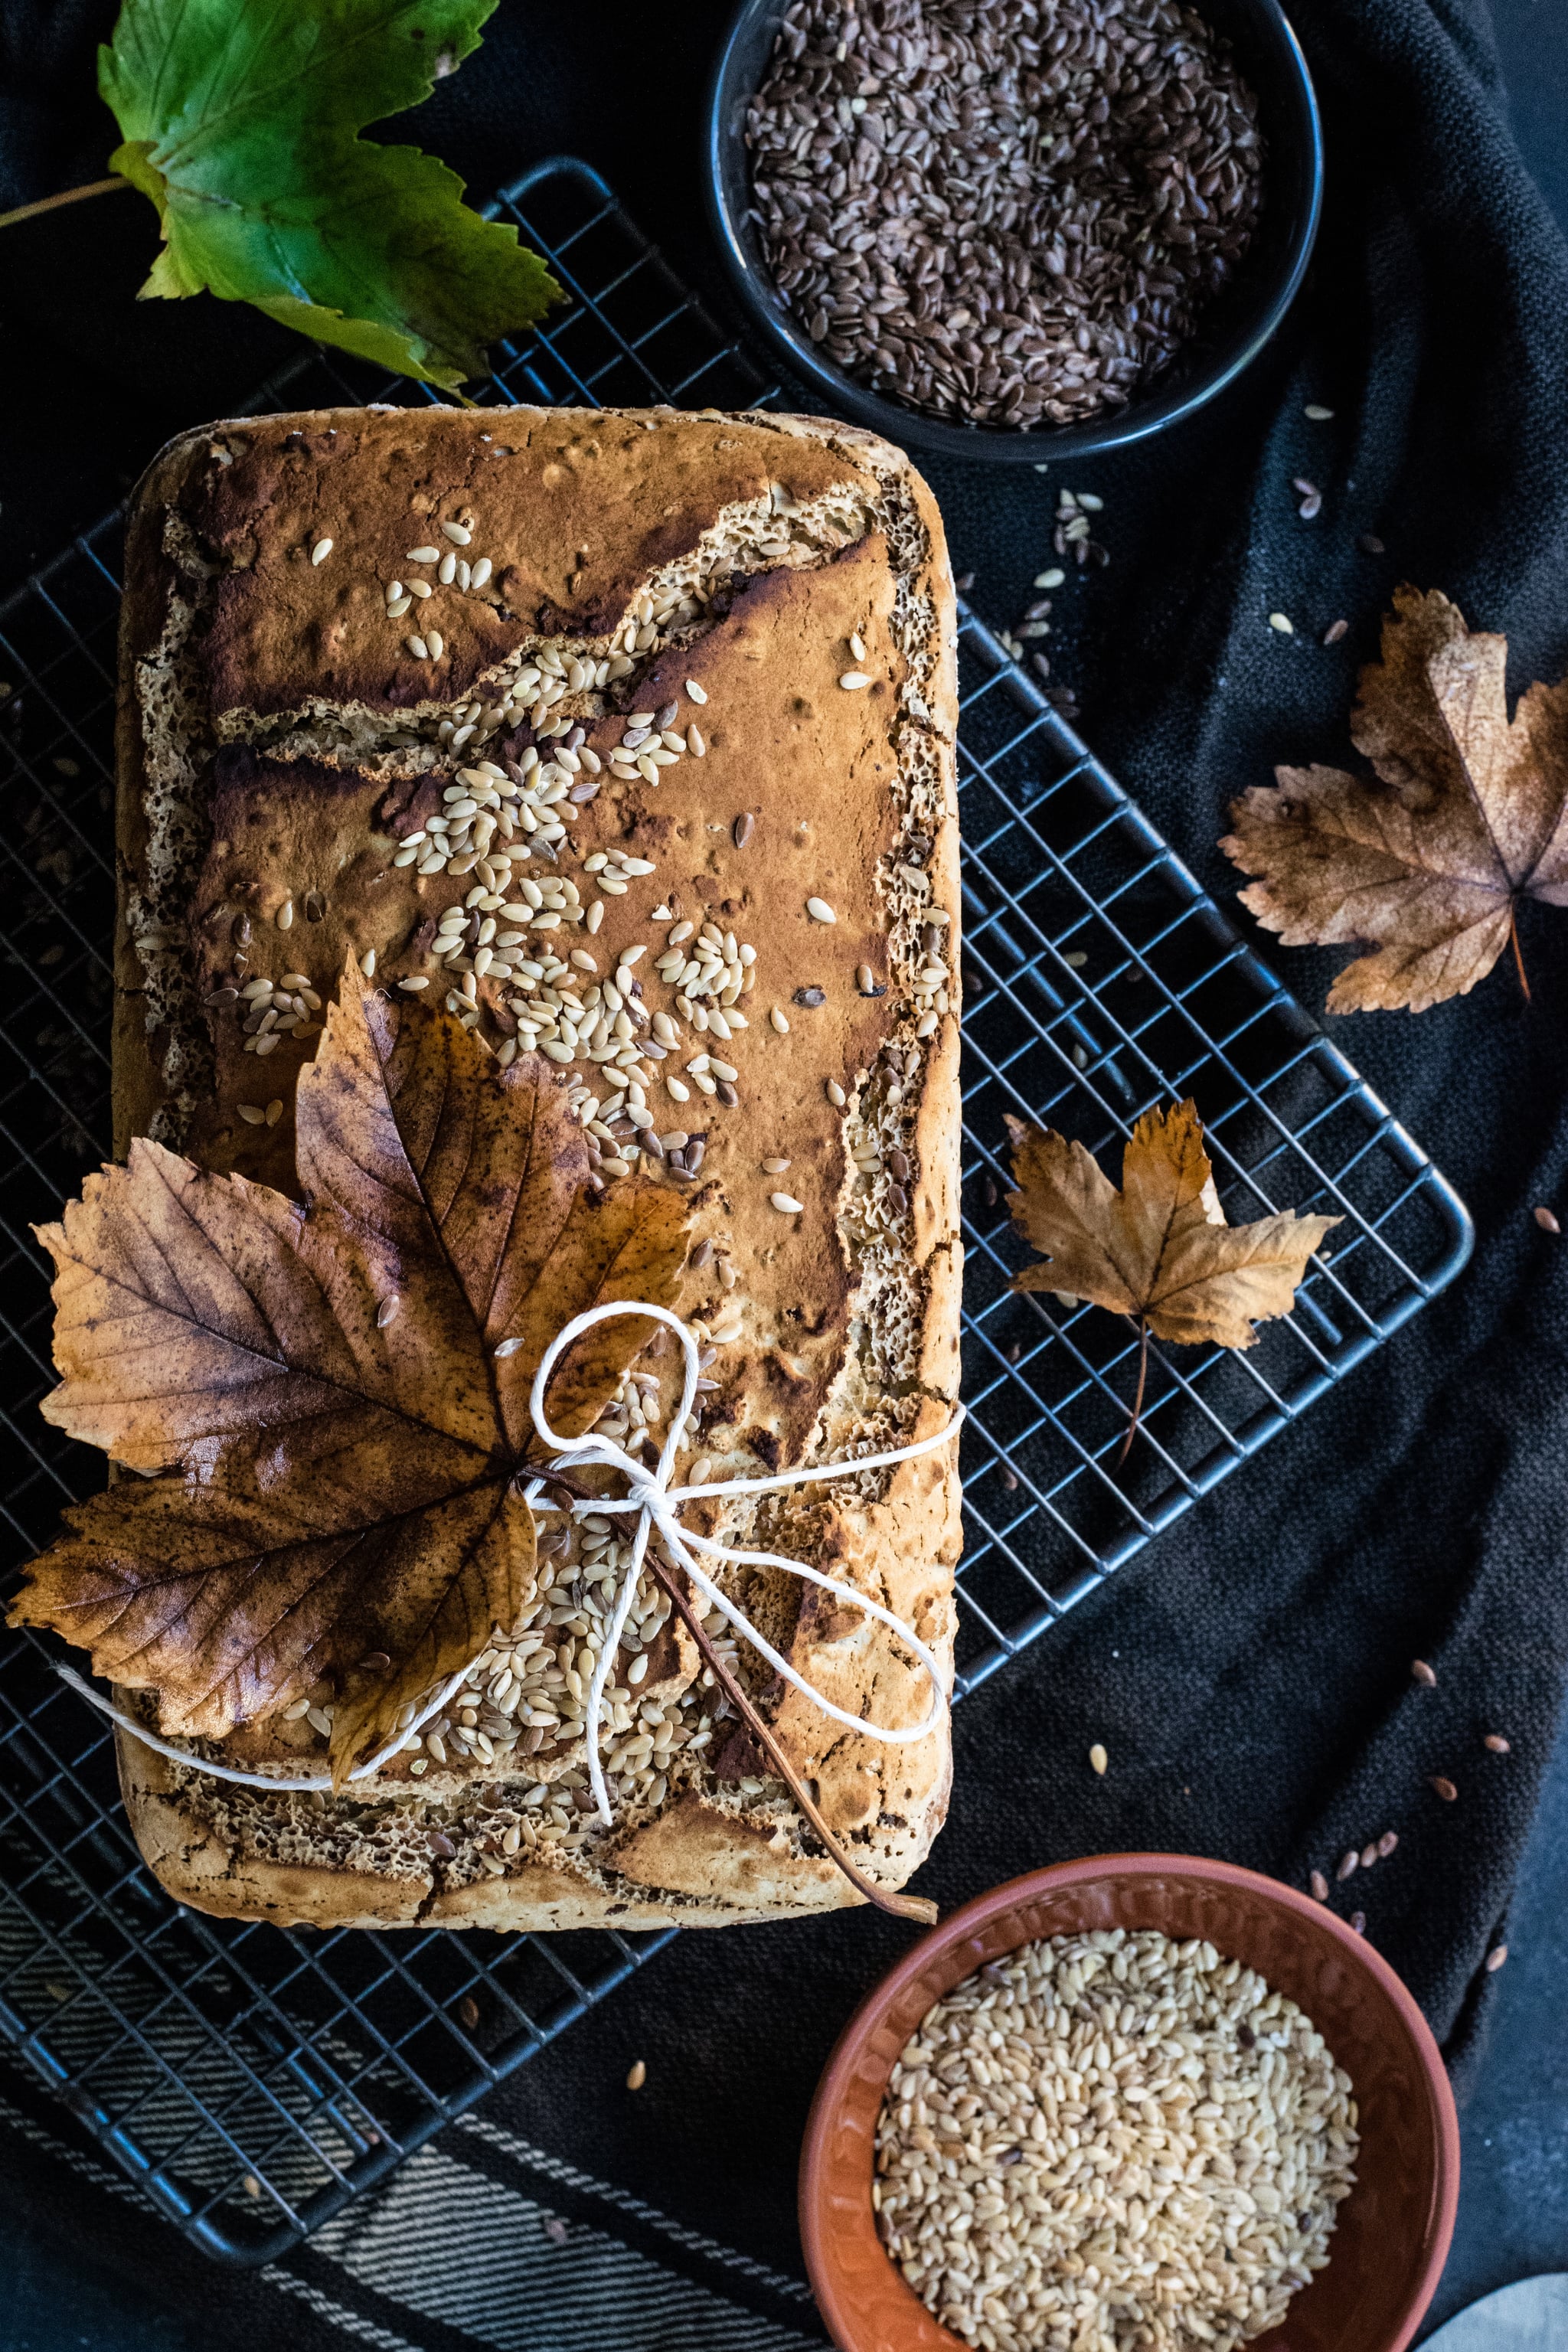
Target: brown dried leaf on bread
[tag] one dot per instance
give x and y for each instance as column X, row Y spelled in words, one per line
column 321, row 1389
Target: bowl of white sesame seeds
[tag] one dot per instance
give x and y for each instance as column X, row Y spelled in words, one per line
column 1139, row 2103
column 1014, row 229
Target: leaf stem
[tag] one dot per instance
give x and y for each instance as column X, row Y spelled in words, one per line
column 66, row 197
column 901, row 1907
column 1518, row 951
column 575, row 1489
column 1137, row 1400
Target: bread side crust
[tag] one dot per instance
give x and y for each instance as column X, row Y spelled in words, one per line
column 696, row 1864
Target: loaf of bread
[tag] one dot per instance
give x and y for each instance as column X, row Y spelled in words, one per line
column 682, row 681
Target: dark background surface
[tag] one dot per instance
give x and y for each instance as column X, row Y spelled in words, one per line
column 120, row 377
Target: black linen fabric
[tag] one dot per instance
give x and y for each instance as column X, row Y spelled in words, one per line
column 1249, row 1675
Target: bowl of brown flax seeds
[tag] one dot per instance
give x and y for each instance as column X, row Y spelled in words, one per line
column 1136, row 2101
column 1014, row 229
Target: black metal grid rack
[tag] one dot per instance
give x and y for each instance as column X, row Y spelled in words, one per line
column 252, row 2080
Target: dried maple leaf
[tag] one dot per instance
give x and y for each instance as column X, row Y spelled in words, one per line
column 1159, row 1249
column 336, row 1395
column 1428, row 864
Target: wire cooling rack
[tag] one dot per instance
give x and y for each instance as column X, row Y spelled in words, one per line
column 252, row 2080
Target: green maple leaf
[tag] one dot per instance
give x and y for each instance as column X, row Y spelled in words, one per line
column 241, row 120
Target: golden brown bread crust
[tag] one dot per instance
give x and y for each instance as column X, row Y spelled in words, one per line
column 850, row 1308
column 596, row 502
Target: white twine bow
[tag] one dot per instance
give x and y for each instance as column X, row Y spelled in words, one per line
column 656, row 1504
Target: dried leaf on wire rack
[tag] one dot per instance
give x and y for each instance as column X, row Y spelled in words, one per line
column 329, row 1402
column 1159, row 1249
column 1427, row 862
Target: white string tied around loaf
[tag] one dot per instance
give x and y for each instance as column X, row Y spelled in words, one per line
column 656, row 1504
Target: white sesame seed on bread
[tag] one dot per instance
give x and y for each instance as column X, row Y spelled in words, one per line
column 280, row 742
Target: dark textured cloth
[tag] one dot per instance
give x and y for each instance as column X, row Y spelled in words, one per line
column 1249, row 1675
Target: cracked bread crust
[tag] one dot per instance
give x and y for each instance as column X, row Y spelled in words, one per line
column 278, row 739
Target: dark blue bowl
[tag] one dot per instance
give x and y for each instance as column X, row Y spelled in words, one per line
column 1231, row 331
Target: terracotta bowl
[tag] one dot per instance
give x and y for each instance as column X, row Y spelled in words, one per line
column 1388, row 2249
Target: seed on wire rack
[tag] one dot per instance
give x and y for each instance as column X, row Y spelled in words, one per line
column 1098, row 1759
column 1442, row 1786
column 1498, row 1744
column 1283, row 624
column 1335, row 631
column 1358, row 1923
column 1369, row 544
column 636, row 2076
column 468, row 2008
column 1369, row 1854
column 1319, row 1886
column 1420, row 1672
column 1496, row 1957
column 1349, row 1863
column 1009, row 1478
column 1386, row 1844
column 1311, row 497
column 1546, row 1221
